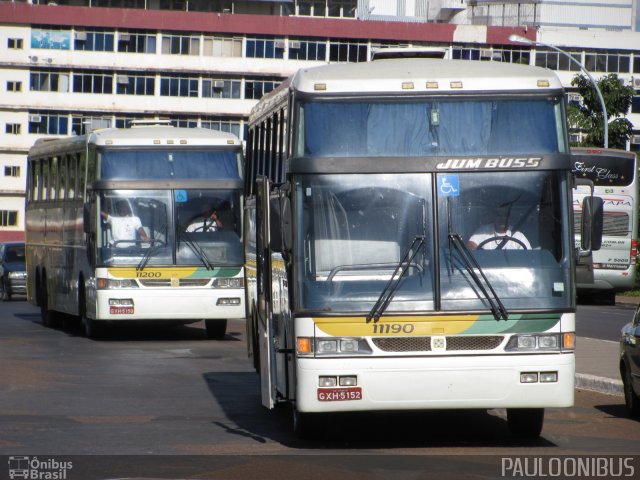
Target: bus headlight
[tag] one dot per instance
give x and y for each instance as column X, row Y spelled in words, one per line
column 237, row 282
column 541, row 342
column 113, row 283
column 341, row 346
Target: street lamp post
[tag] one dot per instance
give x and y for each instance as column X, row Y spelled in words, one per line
column 520, row 39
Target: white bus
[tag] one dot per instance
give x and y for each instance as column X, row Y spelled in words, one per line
column 364, row 184
column 614, row 175
column 161, row 177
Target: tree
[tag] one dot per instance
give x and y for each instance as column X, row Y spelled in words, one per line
column 587, row 117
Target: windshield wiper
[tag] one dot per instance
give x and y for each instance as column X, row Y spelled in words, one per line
column 497, row 307
column 392, row 285
column 198, row 250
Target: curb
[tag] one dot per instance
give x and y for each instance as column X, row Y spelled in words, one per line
column 604, row 385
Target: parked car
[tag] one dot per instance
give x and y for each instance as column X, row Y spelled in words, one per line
column 630, row 363
column 13, row 273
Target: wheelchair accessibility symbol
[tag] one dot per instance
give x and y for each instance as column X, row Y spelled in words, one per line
column 448, row 186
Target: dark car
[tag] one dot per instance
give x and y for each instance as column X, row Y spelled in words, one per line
column 13, row 279
column 630, row 363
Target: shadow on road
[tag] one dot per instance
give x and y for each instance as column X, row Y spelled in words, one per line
column 446, row 429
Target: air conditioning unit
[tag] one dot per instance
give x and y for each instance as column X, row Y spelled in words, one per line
column 35, row 118
column 82, row 36
column 125, row 37
column 123, row 79
column 280, row 44
column 218, row 84
column 635, row 139
column 294, row 45
column 574, row 97
column 636, row 83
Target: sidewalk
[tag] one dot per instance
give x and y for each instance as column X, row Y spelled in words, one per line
column 597, row 361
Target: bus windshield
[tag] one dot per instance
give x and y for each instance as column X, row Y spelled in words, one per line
column 430, row 127
column 170, row 227
column 170, row 164
column 357, row 229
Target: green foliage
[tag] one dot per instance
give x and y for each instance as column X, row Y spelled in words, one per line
column 587, row 117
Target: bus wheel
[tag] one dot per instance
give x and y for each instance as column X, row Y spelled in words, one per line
column 525, row 422
column 305, row 425
column 91, row 328
column 216, row 328
column 47, row 315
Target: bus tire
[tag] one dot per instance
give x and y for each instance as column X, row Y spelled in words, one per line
column 90, row 327
column 47, row 315
column 216, row 329
column 525, row 422
column 305, row 425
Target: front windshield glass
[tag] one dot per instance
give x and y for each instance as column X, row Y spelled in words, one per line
column 167, row 227
column 430, row 127
column 355, row 231
column 512, row 224
column 169, row 163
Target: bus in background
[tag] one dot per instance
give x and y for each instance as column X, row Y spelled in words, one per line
column 111, row 232
column 366, row 288
column 614, row 175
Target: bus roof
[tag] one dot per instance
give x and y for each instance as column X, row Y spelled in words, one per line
column 155, row 136
column 419, row 75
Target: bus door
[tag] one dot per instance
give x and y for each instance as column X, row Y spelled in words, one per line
column 274, row 332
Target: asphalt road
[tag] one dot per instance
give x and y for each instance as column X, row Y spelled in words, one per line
column 168, row 403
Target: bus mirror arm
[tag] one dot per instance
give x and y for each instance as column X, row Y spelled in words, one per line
column 86, row 217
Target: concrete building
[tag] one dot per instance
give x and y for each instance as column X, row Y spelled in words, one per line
column 73, row 65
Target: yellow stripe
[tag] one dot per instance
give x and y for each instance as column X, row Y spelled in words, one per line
column 397, row 326
column 171, row 272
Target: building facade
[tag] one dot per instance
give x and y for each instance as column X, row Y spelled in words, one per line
column 75, row 65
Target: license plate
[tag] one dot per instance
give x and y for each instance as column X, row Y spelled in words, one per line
column 339, row 394
column 121, row 310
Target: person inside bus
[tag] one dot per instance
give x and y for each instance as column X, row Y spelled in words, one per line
column 207, row 221
column 125, row 226
column 499, row 235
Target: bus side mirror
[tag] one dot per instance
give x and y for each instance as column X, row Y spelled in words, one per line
column 592, row 223
column 280, row 224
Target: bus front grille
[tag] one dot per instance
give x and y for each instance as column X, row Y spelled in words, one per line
column 180, row 282
column 423, row 344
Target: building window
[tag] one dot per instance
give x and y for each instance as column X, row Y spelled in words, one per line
column 508, row 55
column 51, row 39
column 49, row 123
column 222, row 125
column 607, row 62
column 313, row 8
column 255, row 89
column 212, row 88
column 8, row 218
column 137, row 42
column 222, row 47
column 635, row 104
column 49, row 81
column 83, row 124
column 13, row 86
column 347, row 52
column 307, row 50
column 128, row 84
column 180, row 45
column 341, row 8
column 557, row 61
column 92, row 82
column 94, row 40
column 12, row 128
column 265, row 48
column 183, row 122
column 11, row 171
column 15, row 43
column 178, row 87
